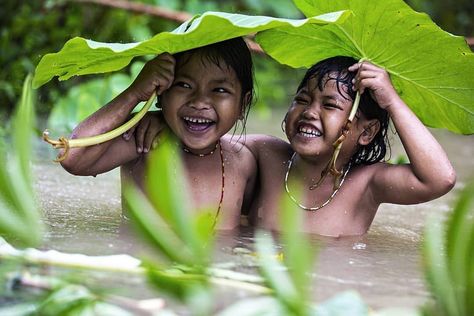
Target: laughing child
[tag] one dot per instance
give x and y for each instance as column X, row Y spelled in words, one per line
column 315, row 120
column 202, row 94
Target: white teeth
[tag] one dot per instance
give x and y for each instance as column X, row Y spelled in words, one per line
column 196, row 120
column 309, row 132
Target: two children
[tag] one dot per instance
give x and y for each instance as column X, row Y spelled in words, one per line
column 211, row 88
column 202, row 93
column 315, row 120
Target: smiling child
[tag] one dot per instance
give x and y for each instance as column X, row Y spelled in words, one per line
column 202, row 94
column 315, row 120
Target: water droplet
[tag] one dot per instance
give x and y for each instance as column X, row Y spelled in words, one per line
column 359, row 246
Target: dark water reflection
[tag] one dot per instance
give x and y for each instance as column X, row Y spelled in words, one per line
column 83, row 214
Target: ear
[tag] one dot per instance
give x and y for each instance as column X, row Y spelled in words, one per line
column 370, row 129
column 245, row 103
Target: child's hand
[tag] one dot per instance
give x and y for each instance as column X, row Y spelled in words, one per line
column 377, row 80
column 146, row 132
column 158, row 74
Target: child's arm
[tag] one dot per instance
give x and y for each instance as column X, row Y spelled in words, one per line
column 429, row 174
column 156, row 75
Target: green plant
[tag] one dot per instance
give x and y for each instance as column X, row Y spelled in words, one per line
column 165, row 219
column 428, row 66
column 80, row 56
column 448, row 253
column 20, row 217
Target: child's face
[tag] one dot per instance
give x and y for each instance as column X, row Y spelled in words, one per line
column 203, row 103
column 316, row 117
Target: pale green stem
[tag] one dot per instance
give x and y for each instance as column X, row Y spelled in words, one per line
column 98, row 139
column 338, row 144
column 121, row 264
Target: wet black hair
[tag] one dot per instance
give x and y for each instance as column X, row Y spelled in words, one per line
column 236, row 55
column 335, row 68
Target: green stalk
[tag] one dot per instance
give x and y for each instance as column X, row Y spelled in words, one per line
column 338, row 143
column 65, row 143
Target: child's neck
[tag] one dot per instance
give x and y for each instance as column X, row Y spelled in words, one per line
column 200, row 152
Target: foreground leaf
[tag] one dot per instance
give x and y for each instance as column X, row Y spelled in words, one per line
column 19, row 215
column 430, row 68
column 80, row 56
column 449, row 258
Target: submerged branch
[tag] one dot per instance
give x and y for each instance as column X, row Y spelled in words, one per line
column 65, row 143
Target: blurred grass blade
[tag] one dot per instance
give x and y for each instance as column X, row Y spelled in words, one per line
column 180, row 285
column 22, row 129
column 459, row 247
column 166, row 188
column 20, row 217
column 275, row 274
column 154, row 228
column 299, row 254
column 437, row 270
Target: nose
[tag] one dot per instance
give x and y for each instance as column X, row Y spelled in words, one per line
column 199, row 101
column 311, row 112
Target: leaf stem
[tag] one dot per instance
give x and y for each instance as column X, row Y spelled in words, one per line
column 65, row 143
column 331, row 166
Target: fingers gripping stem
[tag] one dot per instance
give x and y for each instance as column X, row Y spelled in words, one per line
column 65, row 143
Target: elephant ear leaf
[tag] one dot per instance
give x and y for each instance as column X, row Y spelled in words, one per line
column 80, row 56
column 430, row 68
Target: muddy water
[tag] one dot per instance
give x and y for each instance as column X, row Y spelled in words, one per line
column 83, row 214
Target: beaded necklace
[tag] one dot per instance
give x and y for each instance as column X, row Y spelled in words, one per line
column 315, row 208
column 218, row 143
column 186, row 150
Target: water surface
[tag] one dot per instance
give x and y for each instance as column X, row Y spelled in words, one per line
column 83, row 214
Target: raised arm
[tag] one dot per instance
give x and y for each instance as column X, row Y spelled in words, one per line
column 157, row 75
column 429, row 173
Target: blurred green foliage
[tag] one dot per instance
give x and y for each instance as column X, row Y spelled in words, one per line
column 30, row 29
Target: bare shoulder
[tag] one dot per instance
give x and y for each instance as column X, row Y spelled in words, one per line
column 365, row 173
column 235, row 150
column 260, row 144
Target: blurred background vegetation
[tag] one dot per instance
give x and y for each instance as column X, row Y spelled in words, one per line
column 29, row 29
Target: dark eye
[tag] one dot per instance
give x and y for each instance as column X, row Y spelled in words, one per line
column 332, row 106
column 221, row 90
column 300, row 100
column 182, row 84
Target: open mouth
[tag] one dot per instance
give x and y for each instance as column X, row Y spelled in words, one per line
column 309, row 131
column 197, row 124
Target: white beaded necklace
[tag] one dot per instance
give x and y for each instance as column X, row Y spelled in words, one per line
column 315, row 208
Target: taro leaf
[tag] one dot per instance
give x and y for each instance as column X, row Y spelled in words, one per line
column 431, row 69
column 80, row 56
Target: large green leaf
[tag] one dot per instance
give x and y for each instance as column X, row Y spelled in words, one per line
column 80, row 56
column 430, row 68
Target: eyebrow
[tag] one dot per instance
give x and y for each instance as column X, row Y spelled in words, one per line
column 221, row 81
column 340, row 100
column 214, row 81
